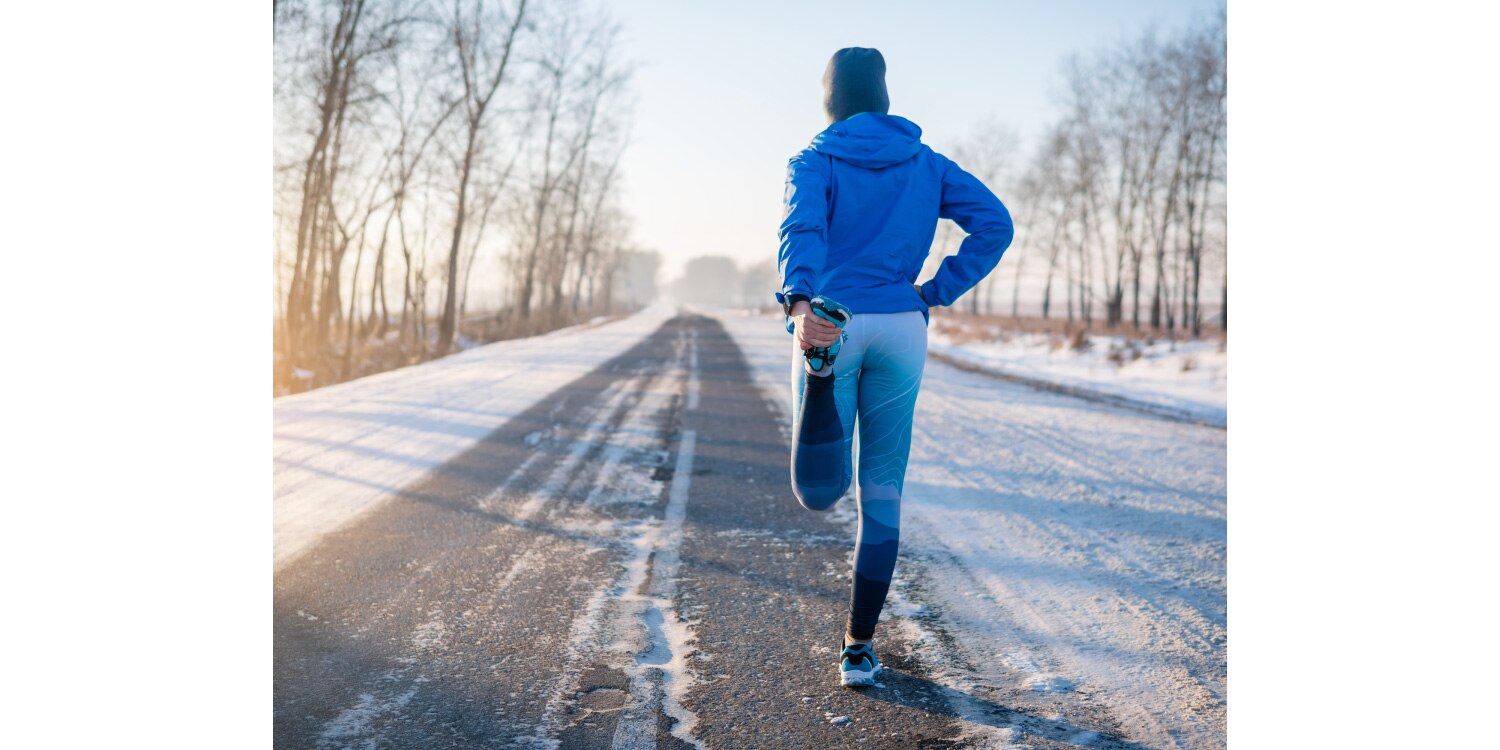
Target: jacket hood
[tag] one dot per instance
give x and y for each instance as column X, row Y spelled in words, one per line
column 870, row 140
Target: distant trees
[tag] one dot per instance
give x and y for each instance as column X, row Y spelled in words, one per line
column 716, row 280
column 415, row 140
column 989, row 154
column 1121, row 205
column 634, row 283
column 570, row 233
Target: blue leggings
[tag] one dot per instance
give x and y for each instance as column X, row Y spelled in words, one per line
column 873, row 392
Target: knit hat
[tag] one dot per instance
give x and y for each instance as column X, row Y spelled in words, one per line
column 855, row 82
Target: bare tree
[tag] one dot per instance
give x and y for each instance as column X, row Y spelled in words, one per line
column 564, row 217
column 989, row 153
column 328, row 77
column 334, row 77
column 417, row 116
column 1123, row 196
column 483, row 41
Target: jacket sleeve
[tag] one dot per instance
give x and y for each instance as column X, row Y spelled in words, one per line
column 977, row 211
column 804, row 226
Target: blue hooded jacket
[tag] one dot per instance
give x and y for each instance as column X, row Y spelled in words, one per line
column 862, row 206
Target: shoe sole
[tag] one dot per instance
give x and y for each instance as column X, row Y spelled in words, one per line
column 859, row 677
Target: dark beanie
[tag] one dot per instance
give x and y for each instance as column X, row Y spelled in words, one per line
column 855, row 82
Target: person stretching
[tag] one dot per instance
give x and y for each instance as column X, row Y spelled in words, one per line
column 862, row 204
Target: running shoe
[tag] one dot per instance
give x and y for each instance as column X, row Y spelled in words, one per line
column 837, row 314
column 858, row 665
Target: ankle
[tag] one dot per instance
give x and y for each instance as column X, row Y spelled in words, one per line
column 824, row 375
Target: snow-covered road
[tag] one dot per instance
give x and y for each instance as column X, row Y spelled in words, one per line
column 506, row 544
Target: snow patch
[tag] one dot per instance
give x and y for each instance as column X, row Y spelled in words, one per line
column 357, row 720
column 430, row 634
column 669, row 635
column 339, row 451
column 1188, row 376
column 631, row 623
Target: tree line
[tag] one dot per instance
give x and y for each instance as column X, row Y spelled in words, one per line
column 1120, row 208
column 718, row 281
column 414, row 139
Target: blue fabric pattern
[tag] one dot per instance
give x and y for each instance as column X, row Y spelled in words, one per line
column 860, row 416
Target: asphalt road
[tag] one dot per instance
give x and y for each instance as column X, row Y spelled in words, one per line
column 621, row 566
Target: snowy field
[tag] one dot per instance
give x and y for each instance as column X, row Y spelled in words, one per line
column 338, row 451
column 1072, row 550
column 1189, row 377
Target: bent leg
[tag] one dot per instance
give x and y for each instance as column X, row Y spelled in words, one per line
column 889, row 381
column 823, row 410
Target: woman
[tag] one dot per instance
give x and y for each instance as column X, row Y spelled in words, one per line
column 862, row 206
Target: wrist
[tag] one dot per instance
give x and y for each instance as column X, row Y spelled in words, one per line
column 794, row 302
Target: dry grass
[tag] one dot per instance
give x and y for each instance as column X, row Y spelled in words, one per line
column 961, row 331
column 489, row 328
column 962, row 328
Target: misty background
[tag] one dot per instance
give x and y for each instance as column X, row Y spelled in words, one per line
column 448, row 175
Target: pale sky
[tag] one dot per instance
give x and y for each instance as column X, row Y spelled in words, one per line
column 727, row 92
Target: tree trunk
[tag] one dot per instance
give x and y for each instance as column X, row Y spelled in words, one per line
column 450, row 293
column 1224, row 300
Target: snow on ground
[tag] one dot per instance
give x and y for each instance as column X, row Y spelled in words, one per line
column 1184, row 376
column 338, row 451
column 1076, row 551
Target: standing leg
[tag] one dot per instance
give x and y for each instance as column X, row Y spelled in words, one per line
column 894, row 354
